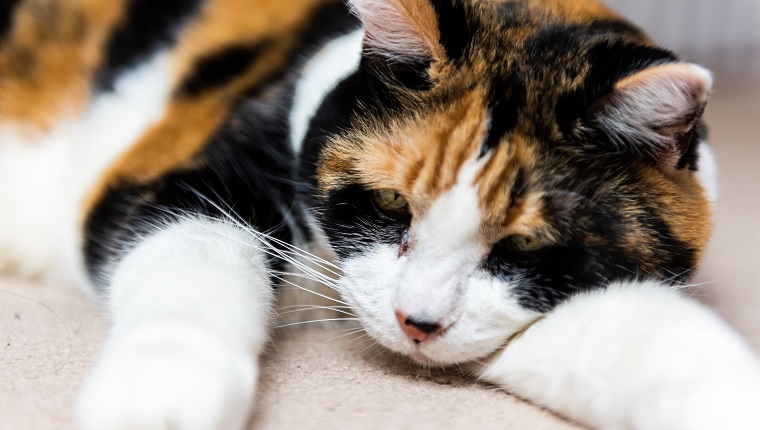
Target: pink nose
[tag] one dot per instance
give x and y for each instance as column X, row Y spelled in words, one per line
column 416, row 329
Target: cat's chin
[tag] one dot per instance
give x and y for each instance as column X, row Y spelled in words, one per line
column 441, row 355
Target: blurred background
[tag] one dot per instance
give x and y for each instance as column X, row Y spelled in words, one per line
column 723, row 35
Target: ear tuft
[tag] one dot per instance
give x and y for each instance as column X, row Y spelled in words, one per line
column 404, row 31
column 655, row 110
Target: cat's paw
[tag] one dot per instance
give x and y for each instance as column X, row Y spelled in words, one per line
column 167, row 385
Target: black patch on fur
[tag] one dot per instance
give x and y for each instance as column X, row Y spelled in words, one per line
column 510, row 11
column 361, row 93
column 455, row 27
column 7, row 11
column 617, row 27
column 146, row 26
column 690, row 158
column 245, row 168
column 353, row 223
column 554, row 273
column 247, row 164
column 216, row 69
column 611, row 61
column 504, row 109
column 574, row 263
column 414, row 76
column 519, row 186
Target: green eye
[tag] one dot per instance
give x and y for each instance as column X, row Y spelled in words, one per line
column 525, row 243
column 391, row 202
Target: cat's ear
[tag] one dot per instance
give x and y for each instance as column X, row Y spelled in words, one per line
column 402, row 31
column 655, row 110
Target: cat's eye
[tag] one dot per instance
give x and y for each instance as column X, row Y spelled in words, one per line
column 524, row 243
column 391, row 202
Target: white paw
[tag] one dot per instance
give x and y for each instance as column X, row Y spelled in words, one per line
column 147, row 385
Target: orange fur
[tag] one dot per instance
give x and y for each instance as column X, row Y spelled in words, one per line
column 49, row 56
column 175, row 142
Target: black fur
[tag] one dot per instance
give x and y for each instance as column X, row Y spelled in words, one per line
column 455, row 27
column 219, row 67
column 247, row 164
column 146, row 26
column 7, row 10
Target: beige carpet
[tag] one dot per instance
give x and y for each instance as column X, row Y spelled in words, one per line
column 50, row 336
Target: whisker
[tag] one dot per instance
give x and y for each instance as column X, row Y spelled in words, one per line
column 310, row 291
column 312, row 308
column 236, row 220
column 346, row 334
column 316, row 321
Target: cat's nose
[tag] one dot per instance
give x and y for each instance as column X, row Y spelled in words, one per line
column 417, row 329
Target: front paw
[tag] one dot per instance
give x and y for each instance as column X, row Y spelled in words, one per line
column 167, row 385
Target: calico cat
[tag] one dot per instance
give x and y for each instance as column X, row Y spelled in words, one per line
column 516, row 186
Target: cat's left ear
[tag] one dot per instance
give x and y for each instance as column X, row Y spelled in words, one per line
column 404, row 31
column 403, row 41
column 655, row 110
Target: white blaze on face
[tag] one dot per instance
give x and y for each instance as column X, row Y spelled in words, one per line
column 444, row 250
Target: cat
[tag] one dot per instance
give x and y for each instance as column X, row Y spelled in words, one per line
column 520, row 187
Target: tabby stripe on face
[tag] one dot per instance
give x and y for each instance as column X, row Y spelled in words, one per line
column 146, row 26
column 7, row 10
column 507, row 101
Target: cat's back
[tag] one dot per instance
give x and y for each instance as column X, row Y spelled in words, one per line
column 99, row 95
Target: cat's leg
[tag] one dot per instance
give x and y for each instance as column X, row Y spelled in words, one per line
column 635, row 356
column 190, row 306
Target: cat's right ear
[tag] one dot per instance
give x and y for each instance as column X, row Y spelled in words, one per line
column 655, row 111
column 402, row 40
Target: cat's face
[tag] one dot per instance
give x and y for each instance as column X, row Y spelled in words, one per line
column 508, row 164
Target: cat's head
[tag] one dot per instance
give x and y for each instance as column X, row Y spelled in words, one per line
column 500, row 157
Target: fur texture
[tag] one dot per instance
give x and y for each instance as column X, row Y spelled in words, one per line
column 517, row 186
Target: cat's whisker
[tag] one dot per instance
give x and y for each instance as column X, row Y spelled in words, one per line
column 308, row 272
column 346, row 334
column 368, row 347
column 317, row 321
column 265, row 239
column 236, row 220
column 331, row 285
column 364, row 338
column 292, row 284
column 314, row 275
column 315, row 307
column 331, row 307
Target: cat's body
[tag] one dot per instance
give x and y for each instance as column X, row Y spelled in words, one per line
column 480, row 172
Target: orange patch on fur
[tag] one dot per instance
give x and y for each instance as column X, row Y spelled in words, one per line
column 684, row 206
column 48, row 58
column 421, row 157
column 177, row 140
column 229, row 22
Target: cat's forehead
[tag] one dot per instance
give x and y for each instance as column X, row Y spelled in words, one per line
column 424, row 156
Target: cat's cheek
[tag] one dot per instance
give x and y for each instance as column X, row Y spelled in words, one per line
column 368, row 284
column 487, row 315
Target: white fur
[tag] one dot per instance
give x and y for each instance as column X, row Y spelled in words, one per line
column 659, row 100
column 634, row 356
column 444, row 238
column 439, row 279
column 45, row 176
column 333, row 63
column 191, row 306
column 707, row 172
